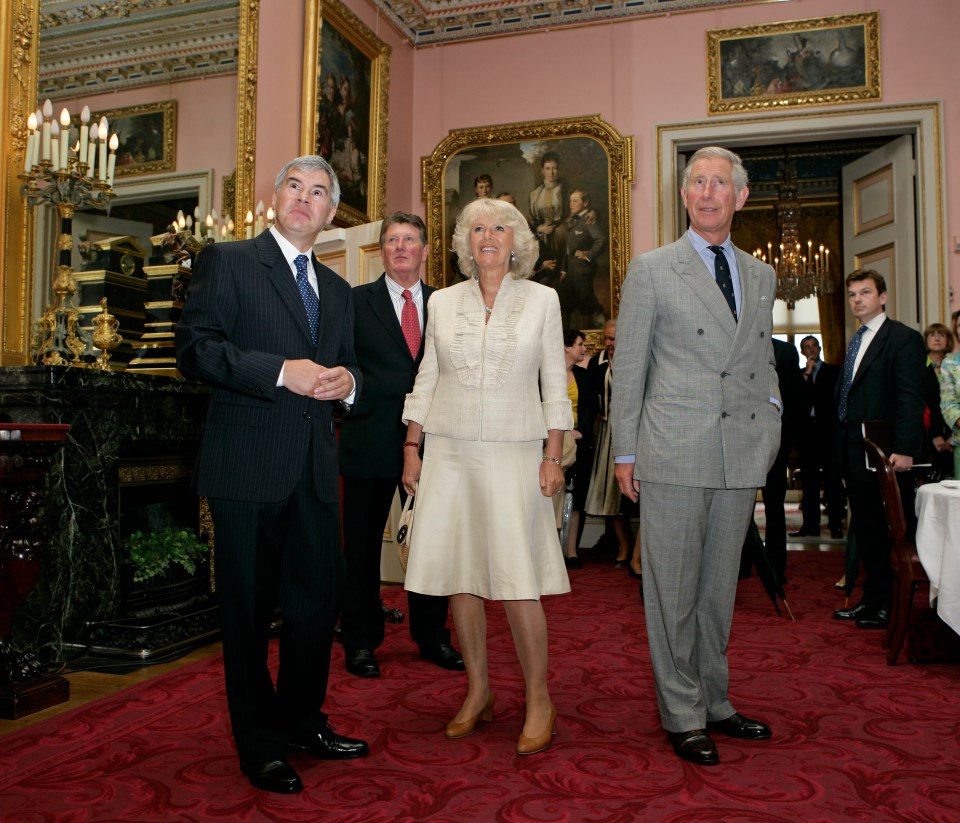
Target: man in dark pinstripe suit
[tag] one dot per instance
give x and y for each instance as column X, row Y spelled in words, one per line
column 271, row 330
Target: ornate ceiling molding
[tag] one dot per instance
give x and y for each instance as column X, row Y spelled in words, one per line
column 433, row 22
column 90, row 46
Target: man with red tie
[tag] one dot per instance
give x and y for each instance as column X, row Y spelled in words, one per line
column 390, row 315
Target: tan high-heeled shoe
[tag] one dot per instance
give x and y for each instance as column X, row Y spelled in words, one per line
column 532, row 745
column 455, row 731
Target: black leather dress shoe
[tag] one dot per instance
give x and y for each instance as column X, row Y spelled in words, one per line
column 391, row 615
column 695, row 746
column 854, row 613
column 444, row 656
column 362, row 663
column 805, row 533
column 878, row 619
column 573, row 562
column 328, row 745
column 274, row 776
column 743, row 728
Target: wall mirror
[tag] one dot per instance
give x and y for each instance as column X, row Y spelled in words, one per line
column 131, row 57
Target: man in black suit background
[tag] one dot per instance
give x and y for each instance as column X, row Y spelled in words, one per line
column 271, row 330
column 818, row 432
column 882, row 382
column 390, row 315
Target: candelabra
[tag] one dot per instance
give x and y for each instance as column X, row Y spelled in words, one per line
column 54, row 174
column 798, row 275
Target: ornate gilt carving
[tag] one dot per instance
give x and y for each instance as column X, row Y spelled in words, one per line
column 246, row 108
column 352, row 28
column 619, row 151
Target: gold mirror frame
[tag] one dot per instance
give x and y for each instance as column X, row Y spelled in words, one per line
column 19, row 41
column 620, row 169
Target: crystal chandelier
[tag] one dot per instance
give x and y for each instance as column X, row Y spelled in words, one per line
column 799, row 275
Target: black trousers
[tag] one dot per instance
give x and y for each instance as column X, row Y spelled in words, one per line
column 366, row 507
column 774, row 494
column 283, row 554
column 870, row 527
column 816, row 456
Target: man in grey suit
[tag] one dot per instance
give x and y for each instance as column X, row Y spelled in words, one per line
column 696, row 419
column 271, row 330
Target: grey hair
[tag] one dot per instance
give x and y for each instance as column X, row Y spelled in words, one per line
column 526, row 249
column 740, row 179
column 311, row 163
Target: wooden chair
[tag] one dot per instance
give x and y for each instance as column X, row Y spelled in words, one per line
column 908, row 573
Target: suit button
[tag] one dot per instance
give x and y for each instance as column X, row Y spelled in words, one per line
column 723, row 374
column 753, row 416
column 761, row 334
column 699, row 331
column 307, row 415
column 751, row 375
column 724, row 414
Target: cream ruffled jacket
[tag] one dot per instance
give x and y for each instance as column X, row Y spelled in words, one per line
column 504, row 380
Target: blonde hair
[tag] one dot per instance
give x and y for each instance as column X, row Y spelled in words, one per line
column 525, row 247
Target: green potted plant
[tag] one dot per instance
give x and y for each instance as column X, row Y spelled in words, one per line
column 153, row 553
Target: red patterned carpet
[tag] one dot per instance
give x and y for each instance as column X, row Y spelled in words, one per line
column 854, row 739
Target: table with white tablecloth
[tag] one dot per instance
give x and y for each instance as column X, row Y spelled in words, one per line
column 938, row 546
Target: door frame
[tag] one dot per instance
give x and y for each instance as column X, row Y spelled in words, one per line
column 922, row 120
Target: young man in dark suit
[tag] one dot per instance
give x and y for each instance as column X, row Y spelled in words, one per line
column 882, row 382
column 818, row 432
column 390, row 315
column 271, row 330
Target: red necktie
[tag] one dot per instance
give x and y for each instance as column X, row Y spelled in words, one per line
column 410, row 323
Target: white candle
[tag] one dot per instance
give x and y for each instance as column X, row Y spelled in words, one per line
column 45, row 140
column 92, row 150
column 103, row 131
column 112, row 160
column 231, row 227
column 181, row 221
column 248, row 220
column 55, row 145
column 223, row 234
column 259, row 225
column 269, row 216
column 84, row 134
column 209, row 222
column 28, row 148
column 64, row 137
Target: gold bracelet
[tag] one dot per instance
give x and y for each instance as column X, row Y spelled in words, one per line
column 552, row 460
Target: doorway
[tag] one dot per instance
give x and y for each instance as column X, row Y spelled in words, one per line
column 921, row 121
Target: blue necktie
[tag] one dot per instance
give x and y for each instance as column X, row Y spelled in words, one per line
column 721, row 271
column 310, row 300
column 847, row 377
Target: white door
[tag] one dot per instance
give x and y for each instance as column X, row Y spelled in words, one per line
column 879, row 225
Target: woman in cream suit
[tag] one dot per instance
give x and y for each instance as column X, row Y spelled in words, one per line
column 491, row 388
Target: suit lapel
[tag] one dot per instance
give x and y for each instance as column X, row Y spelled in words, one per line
column 382, row 306
column 873, row 351
column 749, row 298
column 278, row 272
column 691, row 268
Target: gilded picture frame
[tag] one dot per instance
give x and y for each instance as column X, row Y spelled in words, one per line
column 589, row 155
column 344, row 115
column 811, row 62
column 147, row 134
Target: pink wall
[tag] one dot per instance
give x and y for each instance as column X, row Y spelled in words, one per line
column 206, row 121
column 635, row 74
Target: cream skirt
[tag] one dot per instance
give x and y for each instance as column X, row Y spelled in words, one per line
column 603, row 497
column 482, row 526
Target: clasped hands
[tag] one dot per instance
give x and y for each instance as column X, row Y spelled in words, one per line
column 319, row 382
